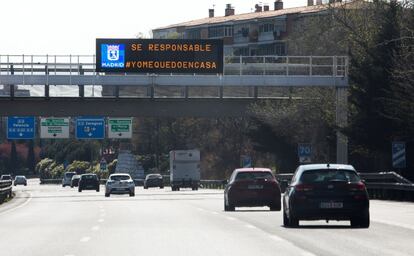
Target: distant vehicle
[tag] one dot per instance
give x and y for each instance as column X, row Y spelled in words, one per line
column 88, row 181
column 120, row 183
column 326, row 192
column 67, row 178
column 6, row 177
column 184, row 169
column 153, row 180
column 20, row 180
column 74, row 182
column 252, row 187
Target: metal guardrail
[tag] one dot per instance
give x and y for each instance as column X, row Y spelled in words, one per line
column 75, row 65
column 5, row 189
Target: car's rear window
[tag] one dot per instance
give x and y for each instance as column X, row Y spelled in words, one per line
column 120, row 177
column 69, row 175
column 254, row 175
column 89, row 177
column 152, row 176
column 328, row 175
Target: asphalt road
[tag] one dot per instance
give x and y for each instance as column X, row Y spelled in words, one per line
column 51, row 220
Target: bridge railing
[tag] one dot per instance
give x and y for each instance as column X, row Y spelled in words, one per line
column 75, row 65
column 5, row 189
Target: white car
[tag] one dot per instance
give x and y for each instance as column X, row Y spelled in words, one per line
column 67, row 178
column 120, row 183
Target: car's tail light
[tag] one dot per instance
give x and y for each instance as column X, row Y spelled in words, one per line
column 303, row 187
column 357, row 186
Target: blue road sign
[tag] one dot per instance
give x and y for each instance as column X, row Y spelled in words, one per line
column 246, row 161
column 305, row 153
column 398, row 154
column 90, row 128
column 20, row 127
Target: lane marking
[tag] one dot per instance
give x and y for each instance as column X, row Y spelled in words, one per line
column 277, row 238
column 85, row 239
column 308, row 254
column 392, row 223
column 250, row 226
column 19, row 206
column 230, row 218
column 101, row 220
column 95, row 228
column 200, row 209
column 215, row 213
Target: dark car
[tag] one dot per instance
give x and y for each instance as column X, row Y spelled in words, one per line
column 74, row 182
column 252, row 187
column 326, row 192
column 153, row 180
column 6, row 177
column 20, row 180
column 88, row 181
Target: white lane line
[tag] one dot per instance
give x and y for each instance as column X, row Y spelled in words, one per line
column 308, row 254
column 250, row 226
column 68, row 255
column 282, row 240
column 95, row 228
column 392, row 223
column 17, row 207
column 215, row 213
column 200, row 209
column 102, row 210
column 277, row 238
column 85, row 239
column 230, row 218
column 101, row 220
column 103, row 214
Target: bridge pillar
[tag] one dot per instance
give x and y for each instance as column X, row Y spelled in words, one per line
column 341, row 121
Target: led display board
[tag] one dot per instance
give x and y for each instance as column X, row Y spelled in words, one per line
column 159, row 56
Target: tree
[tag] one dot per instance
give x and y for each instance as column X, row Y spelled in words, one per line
column 13, row 158
column 31, row 161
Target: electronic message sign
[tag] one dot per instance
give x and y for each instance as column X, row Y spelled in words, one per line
column 159, row 56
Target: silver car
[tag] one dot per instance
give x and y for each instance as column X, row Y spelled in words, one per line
column 67, row 178
column 20, row 180
column 120, row 183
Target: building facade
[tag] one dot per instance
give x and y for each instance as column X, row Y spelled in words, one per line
column 262, row 32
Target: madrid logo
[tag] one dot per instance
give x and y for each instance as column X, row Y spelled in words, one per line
column 113, row 55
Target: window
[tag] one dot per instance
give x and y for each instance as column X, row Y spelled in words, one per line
column 329, row 175
column 254, row 175
column 267, row 27
column 193, row 34
column 220, row 31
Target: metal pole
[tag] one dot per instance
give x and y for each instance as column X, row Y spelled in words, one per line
column 341, row 122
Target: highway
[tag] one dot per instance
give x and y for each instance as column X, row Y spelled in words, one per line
column 47, row 220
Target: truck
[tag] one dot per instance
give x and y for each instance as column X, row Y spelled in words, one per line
column 184, row 169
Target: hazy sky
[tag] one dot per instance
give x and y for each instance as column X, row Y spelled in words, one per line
column 71, row 26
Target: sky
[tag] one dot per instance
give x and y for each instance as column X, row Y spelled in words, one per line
column 71, row 26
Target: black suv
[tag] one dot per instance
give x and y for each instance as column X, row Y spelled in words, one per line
column 153, row 180
column 88, row 181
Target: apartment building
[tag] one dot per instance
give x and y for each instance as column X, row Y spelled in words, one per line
column 262, row 32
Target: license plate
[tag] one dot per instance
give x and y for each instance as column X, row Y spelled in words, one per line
column 331, row 205
column 255, row 186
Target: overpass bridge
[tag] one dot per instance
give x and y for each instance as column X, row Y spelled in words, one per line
column 245, row 80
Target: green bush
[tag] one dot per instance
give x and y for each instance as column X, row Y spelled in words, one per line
column 78, row 166
column 43, row 164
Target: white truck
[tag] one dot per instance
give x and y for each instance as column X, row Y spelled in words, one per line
column 184, row 169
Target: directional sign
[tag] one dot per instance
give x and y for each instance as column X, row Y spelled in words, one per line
column 305, row 153
column 54, row 128
column 398, row 155
column 119, row 128
column 90, row 128
column 20, row 127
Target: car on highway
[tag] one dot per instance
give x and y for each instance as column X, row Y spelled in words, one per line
column 74, row 182
column 120, row 183
column 248, row 187
column 326, row 192
column 20, row 180
column 6, row 177
column 153, row 180
column 67, row 178
column 88, row 181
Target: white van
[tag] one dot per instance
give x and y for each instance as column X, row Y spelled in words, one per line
column 184, row 169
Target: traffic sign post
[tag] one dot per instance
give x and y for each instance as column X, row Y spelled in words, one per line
column 103, row 164
column 398, row 155
column 54, row 128
column 305, row 153
column 246, row 161
column 120, row 128
column 90, row 128
column 20, row 128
